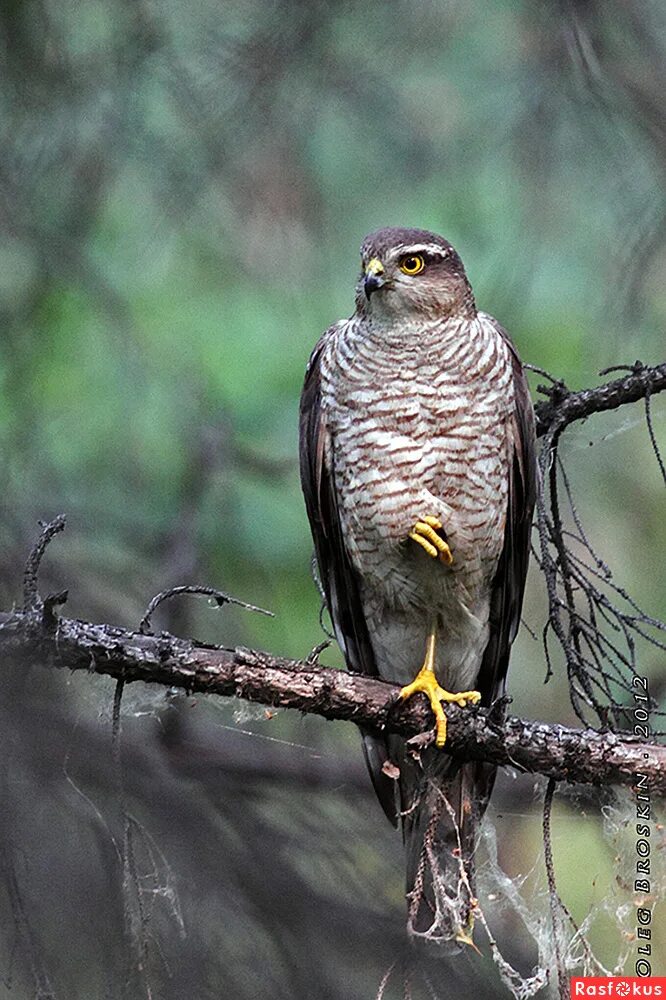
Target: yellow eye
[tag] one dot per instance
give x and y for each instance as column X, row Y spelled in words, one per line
column 412, row 264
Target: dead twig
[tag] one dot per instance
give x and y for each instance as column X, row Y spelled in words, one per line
column 31, row 599
column 563, row 407
column 219, row 597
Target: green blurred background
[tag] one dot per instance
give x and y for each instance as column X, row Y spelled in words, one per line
column 183, row 191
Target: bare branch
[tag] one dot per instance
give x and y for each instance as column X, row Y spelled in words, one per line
column 31, row 599
column 558, row 752
column 598, row 626
column 563, row 406
column 218, row 596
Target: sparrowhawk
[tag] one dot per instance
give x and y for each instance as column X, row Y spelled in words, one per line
column 417, row 465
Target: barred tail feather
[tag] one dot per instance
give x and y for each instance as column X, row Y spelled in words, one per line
column 442, row 811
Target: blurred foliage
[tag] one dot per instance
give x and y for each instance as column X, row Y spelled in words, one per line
column 183, row 190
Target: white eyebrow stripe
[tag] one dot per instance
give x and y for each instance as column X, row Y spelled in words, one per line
column 434, row 248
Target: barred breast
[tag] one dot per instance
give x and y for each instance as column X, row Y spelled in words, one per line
column 418, row 425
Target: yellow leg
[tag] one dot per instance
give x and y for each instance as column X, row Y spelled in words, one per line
column 426, row 681
column 425, row 534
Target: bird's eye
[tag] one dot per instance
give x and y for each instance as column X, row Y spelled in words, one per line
column 412, row 264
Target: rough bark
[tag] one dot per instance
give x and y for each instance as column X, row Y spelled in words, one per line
column 555, row 751
column 564, row 406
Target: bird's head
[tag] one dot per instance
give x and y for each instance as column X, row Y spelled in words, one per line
column 409, row 272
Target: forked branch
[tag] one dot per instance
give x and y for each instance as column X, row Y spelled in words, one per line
column 563, row 406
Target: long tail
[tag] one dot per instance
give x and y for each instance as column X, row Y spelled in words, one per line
column 442, row 805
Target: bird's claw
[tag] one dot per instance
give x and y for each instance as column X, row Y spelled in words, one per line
column 425, row 533
column 426, row 682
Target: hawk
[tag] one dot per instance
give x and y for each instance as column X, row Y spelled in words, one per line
column 418, row 470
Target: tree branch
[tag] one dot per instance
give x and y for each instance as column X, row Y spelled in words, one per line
column 565, row 754
column 564, row 407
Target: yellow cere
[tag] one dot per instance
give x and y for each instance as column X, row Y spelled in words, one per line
column 374, row 267
column 412, row 264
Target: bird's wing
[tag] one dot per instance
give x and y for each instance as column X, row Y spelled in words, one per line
column 509, row 583
column 338, row 576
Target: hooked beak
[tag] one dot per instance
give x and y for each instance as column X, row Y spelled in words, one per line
column 374, row 276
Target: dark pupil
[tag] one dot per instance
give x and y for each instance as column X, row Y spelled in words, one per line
column 411, row 263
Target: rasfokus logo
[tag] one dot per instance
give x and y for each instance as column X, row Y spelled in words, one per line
column 628, row 986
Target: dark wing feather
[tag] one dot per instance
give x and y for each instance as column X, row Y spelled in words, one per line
column 509, row 583
column 338, row 577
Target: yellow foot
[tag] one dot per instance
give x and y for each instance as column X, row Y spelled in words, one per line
column 425, row 533
column 426, row 681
